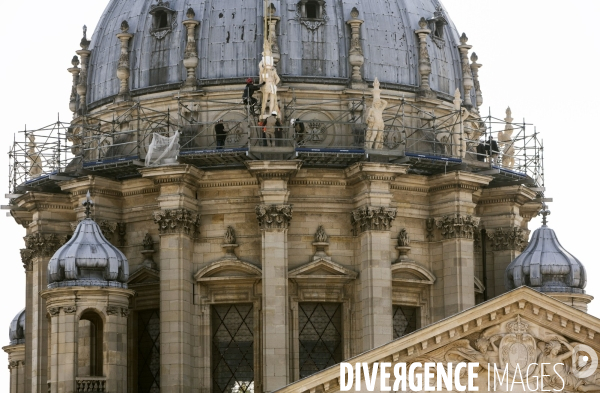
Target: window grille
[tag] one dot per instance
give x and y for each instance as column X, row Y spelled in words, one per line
column 405, row 320
column 320, row 336
column 232, row 348
column 148, row 351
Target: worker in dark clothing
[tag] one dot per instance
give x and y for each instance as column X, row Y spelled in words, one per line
column 220, row 133
column 249, row 92
column 298, row 126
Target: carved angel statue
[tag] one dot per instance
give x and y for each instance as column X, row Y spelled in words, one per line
column 375, row 125
column 268, row 76
column 403, row 239
column 33, row 157
column 321, row 236
column 230, row 235
column 506, row 142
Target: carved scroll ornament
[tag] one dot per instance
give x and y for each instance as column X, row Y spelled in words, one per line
column 507, row 239
column 372, row 218
column 274, row 216
column 177, row 221
column 457, row 226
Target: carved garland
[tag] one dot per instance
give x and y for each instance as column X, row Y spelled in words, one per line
column 177, row 221
column 507, row 239
column 457, row 226
column 274, row 216
column 372, row 218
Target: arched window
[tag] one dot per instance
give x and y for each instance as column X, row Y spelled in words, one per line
column 89, row 346
column 312, row 10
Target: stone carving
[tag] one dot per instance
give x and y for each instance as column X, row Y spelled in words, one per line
column 148, row 252
column 311, row 24
column 375, row 125
column 122, row 230
column 475, row 71
column 54, row 311
column 124, row 312
column 403, row 239
column 522, row 344
column 123, row 70
column 403, row 246
column 75, row 72
column 429, row 228
column 424, row 60
column 44, row 245
column 272, row 35
column 190, row 57
column 15, row 364
column 505, row 141
column 466, row 69
column 320, row 235
column 84, row 54
column 457, row 226
column 372, row 218
column 268, row 75
column 177, row 221
column 355, row 54
column 230, row 243
column 507, row 239
column 27, row 259
column 70, row 309
column 112, row 310
column 35, row 161
column 274, row 216
column 477, row 241
column 230, row 235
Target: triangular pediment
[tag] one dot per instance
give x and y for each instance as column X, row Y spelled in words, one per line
column 228, row 269
column 520, row 326
column 411, row 272
column 143, row 276
column 322, row 268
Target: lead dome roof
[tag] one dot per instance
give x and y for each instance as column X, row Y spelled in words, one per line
column 230, row 44
column 16, row 330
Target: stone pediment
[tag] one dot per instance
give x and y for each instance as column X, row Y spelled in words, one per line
column 227, row 270
column 143, row 276
column 410, row 272
column 322, row 269
column 520, row 327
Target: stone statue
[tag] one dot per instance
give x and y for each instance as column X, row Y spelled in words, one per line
column 230, row 235
column 321, row 235
column 34, row 158
column 403, row 239
column 375, row 126
column 268, row 76
column 506, row 142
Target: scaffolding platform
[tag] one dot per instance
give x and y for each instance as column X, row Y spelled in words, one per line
column 329, row 157
column 226, row 157
column 122, row 167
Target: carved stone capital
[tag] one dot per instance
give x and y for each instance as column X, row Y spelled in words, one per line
column 70, row 309
column 274, row 216
column 54, row 311
column 177, row 221
column 112, row 310
column 507, row 239
column 372, row 218
column 456, row 226
column 27, row 259
column 44, row 245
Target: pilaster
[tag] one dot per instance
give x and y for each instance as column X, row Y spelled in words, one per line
column 372, row 220
column 16, row 367
column 178, row 224
column 453, row 198
column 274, row 215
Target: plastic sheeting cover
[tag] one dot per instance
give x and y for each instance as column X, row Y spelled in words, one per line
column 162, row 149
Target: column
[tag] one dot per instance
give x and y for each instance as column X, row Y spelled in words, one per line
column 463, row 48
column 274, row 215
column 190, row 58
column 178, row 222
column 123, row 71
column 355, row 55
column 424, row 60
column 16, row 367
column 372, row 221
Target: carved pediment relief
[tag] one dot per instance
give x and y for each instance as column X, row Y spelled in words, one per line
column 322, row 269
column 227, row 270
column 519, row 328
column 411, row 273
column 143, row 276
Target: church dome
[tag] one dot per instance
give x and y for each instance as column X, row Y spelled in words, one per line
column 313, row 40
column 16, row 331
column 88, row 259
column 546, row 266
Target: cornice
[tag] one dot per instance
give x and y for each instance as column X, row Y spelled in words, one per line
column 458, row 180
column 373, row 171
column 173, row 174
column 232, row 183
column 273, row 169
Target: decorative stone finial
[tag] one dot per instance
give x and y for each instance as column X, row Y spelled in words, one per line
column 464, row 39
column 190, row 14
column 148, row 251
column 354, row 13
column 124, row 26
column 544, row 213
column 190, row 57
column 508, row 117
column 422, row 23
column 75, row 61
column 84, row 43
column 84, row 31
column 474, row 57
column 403, row 246
column 271, row 10
column 403, row 239
column 148, row 243
column 230, row 235
column 321, row 236
column 439, row 11
column 88, row 203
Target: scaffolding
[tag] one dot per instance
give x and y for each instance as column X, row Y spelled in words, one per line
column 326, row 132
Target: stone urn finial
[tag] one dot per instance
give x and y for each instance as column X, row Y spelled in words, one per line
column 354, row 13
column 148, row 252
column 124, row 27
column 230, row 243
column 403, row 246
column 321, row 243
column 190, row 14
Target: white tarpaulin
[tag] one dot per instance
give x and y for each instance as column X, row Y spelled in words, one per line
column 162, row 149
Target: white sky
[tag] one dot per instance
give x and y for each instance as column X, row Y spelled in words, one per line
column 537, row 57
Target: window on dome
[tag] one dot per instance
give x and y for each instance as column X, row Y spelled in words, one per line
column 232, row 348
column 438, row 32
column 161, row 20
column 405, row 320
column 312, row 10
column 320, row 336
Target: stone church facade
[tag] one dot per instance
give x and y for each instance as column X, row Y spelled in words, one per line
column 235, row 265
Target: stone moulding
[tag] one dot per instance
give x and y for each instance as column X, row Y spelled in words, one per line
column 457, row 226
column 274, row 216
column 507, row 239
column 372, row 218
column 174, row 221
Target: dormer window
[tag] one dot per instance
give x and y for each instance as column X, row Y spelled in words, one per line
column 311, row 13
column 163, row 19
column 438, row 32
column 436, row 25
